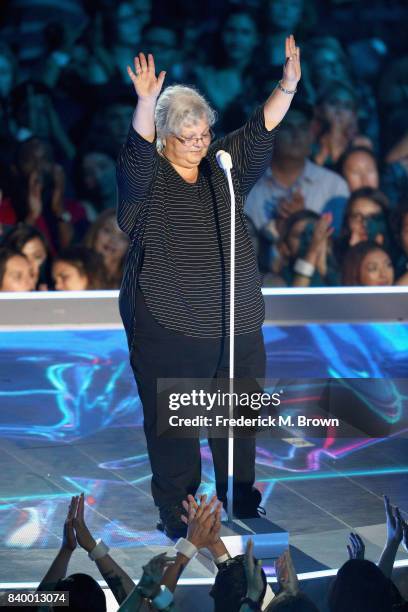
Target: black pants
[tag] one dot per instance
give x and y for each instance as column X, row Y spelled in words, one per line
column 162, row 353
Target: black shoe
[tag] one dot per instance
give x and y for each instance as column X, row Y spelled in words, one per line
column 247, row 505
column 170, row 521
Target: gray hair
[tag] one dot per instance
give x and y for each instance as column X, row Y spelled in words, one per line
column 179, row 104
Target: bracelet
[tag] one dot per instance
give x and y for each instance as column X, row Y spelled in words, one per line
column 304, row 268
column 186, row 548
column 163, row 599
column 286, row 91
column 98, row 551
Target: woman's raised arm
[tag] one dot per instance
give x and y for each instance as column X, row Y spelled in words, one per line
column 147, row 87
column 278, row 103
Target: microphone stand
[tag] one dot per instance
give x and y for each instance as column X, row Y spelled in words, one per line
column 230, row 490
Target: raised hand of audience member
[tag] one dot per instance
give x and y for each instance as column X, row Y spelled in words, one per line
column 203, row 521
column 117, row 579
column 149, row 584
column 253, row 573
column 69, row 540
column 394, row 525
column 84, row 536
column 356, row 548
column 394, row 522
column 214, row 543
column 58, row 568
column 317, row 250
column 286, row 574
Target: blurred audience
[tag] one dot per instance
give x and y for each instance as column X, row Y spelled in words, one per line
column 66, row 107
column 293, row 182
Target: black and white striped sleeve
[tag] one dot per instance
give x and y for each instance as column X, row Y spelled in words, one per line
column 136, row 167
column 251, row 148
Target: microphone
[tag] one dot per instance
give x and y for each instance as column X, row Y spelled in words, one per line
column 224, row 160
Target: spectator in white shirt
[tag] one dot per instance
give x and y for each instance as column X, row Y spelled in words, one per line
column 293, row 182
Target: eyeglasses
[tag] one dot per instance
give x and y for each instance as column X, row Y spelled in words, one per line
column 194, row 140
column 360, row 218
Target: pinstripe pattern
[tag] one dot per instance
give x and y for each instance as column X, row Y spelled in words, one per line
column 183, row 267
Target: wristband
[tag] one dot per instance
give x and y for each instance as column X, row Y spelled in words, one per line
column 222, row 558
column 186, row 548
column 286, row 91
column 99, row 551
column 163, row 599
column 304, row 268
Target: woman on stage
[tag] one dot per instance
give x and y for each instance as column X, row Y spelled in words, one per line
column 174, row 301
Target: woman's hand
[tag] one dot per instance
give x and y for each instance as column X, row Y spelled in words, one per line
column 253, row 573
column 69, row 541
column 321, row 234
column 147, row 85
column 204, row 521
column 149, row 583
column 84, row 536
column 291, row 69
column 286, row 574
column 356, row 548
column 394, row 522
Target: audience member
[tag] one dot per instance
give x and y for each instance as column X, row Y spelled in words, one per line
column 399, row 224
column 129, row 19
column 96, row 182
column 367, row 264
column 37, row 195
column 360, row 586
column 79, row 268
column 15, row 271
column 358, row 165
column 83, row 590
column 31, row 243
column 336, row 123
column 232, row 71
column 106, row 239
column 293, row 182
column 163, row 40
column 365, row 218
column 307, row 250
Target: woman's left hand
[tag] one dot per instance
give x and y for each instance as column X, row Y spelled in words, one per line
column 291, row 69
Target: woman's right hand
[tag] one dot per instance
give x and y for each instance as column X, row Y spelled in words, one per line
column 147, row 85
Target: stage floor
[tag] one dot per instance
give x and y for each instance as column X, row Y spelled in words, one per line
column 71, row 421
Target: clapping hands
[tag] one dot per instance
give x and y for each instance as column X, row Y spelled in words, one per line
column 253, row 573
column 149, row 583
column 75, row 528
column 203, row 520
column 286, row 574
